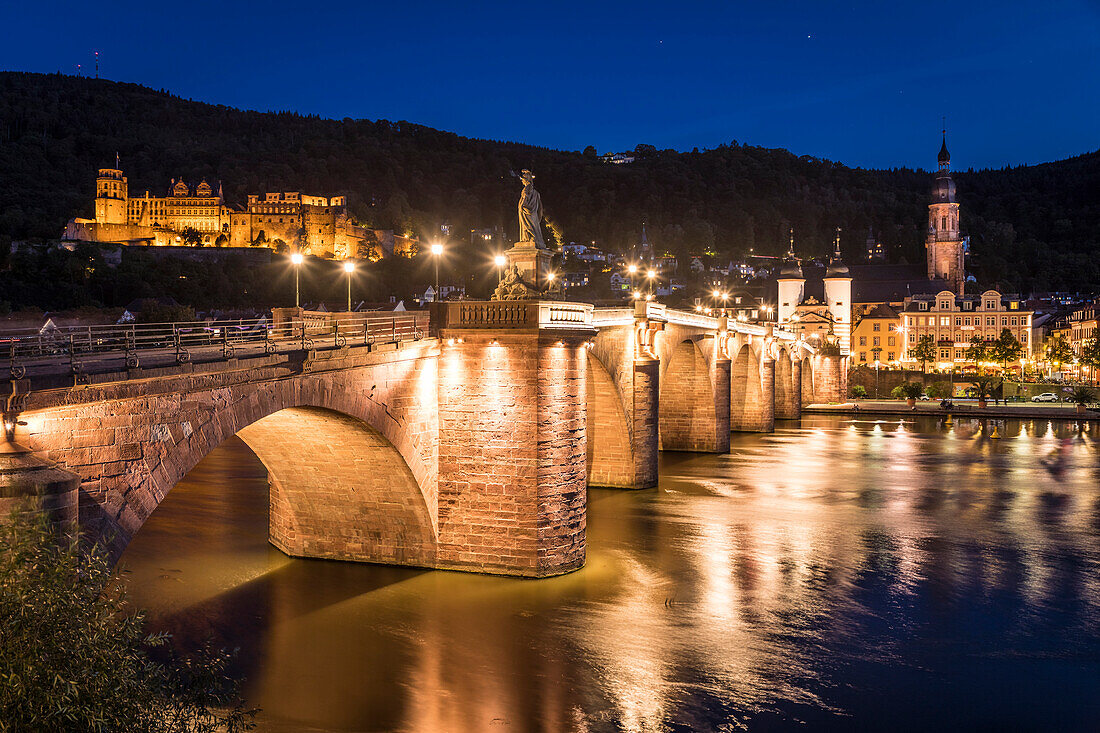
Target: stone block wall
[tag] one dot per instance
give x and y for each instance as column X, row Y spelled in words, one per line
column 512, row 452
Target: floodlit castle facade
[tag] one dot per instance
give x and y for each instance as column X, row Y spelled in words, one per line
column 309, row 224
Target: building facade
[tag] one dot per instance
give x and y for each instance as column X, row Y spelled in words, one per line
column 877, row 337
column 955, row 322
column 309, row 224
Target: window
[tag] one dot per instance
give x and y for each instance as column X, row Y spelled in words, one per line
column 862, row 340
column 912, row 338
column 1004, row 320
column 945, row 321
column 958, row 321
column 943, row 222
column 890, row 356
column 1014, row 321
column 876, row 341
column 991, row 321
column 890, row 341
column 863, row 356
column 958, row 353
column 944, row 354
column 876, row 327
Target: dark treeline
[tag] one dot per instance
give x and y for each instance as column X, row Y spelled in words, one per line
column 1032, row 228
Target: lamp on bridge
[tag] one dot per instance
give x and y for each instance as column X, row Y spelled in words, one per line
column 437, row 252
column 550, row 279
column 349, row 268
column 500, row 261
column 296, row 260
column 651, row 275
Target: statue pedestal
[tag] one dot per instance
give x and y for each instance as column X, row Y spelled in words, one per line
column 533, row 263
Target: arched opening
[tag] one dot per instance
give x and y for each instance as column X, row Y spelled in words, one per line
column 807, row 381
column 685, row 418
column 339, row 487
column 746, row 394
column 609, row 457
column 340, row 490
column 786, row 398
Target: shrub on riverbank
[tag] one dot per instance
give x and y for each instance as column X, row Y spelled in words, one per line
column 73, row 658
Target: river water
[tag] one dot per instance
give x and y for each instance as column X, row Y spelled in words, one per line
column 841, row 573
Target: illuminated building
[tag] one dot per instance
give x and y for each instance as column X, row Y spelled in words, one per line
column 310, row 224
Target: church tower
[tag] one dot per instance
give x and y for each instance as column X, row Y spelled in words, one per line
column 838, row 296
column 944, row 243
column 792, row 286
column 111, row 197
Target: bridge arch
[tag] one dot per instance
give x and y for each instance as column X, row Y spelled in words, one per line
column 787, row 404
column 746, row 390
column 807, row 380
column 687, row 407
column 609, row 451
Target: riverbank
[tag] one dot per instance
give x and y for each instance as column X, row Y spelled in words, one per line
column 967, row 408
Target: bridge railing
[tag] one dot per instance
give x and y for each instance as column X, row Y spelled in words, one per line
column 83, row 347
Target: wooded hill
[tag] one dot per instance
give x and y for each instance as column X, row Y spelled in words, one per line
column 1032, row 228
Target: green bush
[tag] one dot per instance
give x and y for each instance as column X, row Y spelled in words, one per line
column 940, row 390
column 898, row 393
column 912, row 390
column 74, row 658
column 859, row 392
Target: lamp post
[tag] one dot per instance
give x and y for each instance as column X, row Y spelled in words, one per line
column 876, row 378
column 500, row 261
column 296, row 260
column 437, row 252
column 549, row 279
column 349, row 267
column 651, row 276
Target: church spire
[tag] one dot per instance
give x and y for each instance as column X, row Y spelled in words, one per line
column 944, row 157
column 790, row 250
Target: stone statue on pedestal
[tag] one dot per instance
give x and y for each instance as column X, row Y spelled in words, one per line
column 514, row 287
column 530, row 211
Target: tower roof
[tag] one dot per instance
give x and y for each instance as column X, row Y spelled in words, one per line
column 791, row 267
column 836, row 268
column 944, row 157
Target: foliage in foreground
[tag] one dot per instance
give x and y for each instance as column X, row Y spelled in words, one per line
column 74, row 658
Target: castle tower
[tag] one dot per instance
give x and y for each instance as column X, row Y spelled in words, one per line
column 838, row 296
column 111, row 197
column 944, row 243
column 792, row 286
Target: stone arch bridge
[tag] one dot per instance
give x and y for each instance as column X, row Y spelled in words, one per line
column 467, row 444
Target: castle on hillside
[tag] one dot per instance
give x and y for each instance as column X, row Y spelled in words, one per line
column 309, row 224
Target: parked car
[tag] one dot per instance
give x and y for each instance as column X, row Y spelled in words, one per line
column 1045, row 397
column 924, row 398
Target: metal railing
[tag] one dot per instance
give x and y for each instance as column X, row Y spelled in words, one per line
column 129, row 344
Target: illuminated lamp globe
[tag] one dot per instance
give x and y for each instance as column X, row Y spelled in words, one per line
column 437, row 249
column 296, row 258
column 349, row 267
column 500, row 260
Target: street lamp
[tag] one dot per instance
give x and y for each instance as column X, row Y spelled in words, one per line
column 650, row 275
column 500, row 261
column 876, row 378
column 349, row 267
column 437, row 252
column 549, row 279
column 296, row 260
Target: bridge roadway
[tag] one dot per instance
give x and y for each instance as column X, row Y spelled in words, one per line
column 465, row 442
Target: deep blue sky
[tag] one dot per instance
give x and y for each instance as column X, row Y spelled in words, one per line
column 864, row 83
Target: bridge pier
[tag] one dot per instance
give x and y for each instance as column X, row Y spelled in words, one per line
column 512, row 438
column 788, row 390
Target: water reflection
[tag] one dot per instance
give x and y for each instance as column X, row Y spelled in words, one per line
column 836, row 574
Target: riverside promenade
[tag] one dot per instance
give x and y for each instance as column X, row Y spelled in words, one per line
column 963, row 407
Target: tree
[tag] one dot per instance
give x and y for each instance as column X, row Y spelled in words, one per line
column 260, row 240
column 978, row 351
column 1082, row 395
column 1090, row 356
column 859, row 392
column 221, row 241
column 924, row 351
column 1058, row 350
column 74, row 658
column 191, row 237
column 1006, row 348
column 984, row 386
column 940, row 390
